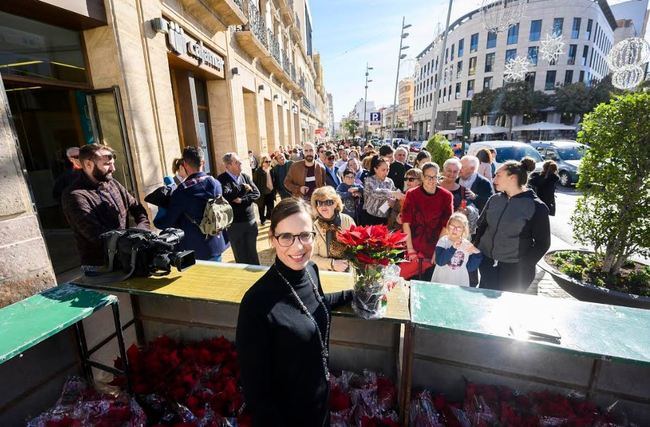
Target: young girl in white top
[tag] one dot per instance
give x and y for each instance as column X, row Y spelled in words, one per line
column 455, row 256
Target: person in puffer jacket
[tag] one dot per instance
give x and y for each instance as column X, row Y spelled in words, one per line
column 513, row 230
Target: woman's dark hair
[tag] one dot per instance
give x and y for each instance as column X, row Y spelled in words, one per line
column 520, row 169
column 484, row 155
column 549, row 168
column 285, row 209
column 423, row 154
column 374, row 163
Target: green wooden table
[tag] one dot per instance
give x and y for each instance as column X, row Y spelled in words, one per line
column 32, row 320
column 599, row 331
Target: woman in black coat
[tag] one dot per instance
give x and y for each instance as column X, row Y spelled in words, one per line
column 544, row 183
column 284, row 326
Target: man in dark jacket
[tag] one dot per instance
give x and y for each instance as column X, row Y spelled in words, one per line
column 279, row 173
column 240, row 191
column 331, row 172
column 186, row 207
column 96, row 203
column 399, row 167
column 480, row 187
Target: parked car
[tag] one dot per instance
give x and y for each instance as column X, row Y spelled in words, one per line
column 567, row 154
column 508, row 150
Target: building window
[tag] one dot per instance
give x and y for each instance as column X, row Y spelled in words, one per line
column 589, row 24
column 582, row 77
column 446, row 55
column 472, row 66
column 487, row 83
column 585, row 54
column 473, row 44
column 575, row 30
column 451, row 58
column 461, row 47
column 568, row 77
column 558, row 23
column 571, row 57
column 457, row 95
column 533, row 54
column 530, row 79
column 513, row 34
column 550, row 80
column 470, row 88
column 489, row 62
column 491, row 40
column 459, row 69
column 511, row 54
column 535, row 30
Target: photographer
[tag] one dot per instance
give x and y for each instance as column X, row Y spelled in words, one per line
column 187, row 205
column 96, row 203
column 240, row 191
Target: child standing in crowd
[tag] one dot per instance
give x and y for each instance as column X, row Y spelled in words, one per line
column 351, row 194
column 455, row 256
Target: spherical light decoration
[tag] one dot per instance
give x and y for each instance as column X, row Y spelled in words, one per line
column 632, row 51
column 552, row 47
column 498, row 16
column 516, row 69
column 627, row 77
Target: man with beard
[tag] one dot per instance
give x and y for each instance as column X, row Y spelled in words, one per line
column 305, row 176
column 97, row 203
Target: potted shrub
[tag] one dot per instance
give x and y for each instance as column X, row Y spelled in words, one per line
column 613, row 213
column 439, row 148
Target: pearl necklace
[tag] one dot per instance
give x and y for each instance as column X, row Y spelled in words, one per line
column 323, row 343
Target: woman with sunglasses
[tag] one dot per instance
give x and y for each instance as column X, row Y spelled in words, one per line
column 328, row 252
column 284, row 326
column 264, row 182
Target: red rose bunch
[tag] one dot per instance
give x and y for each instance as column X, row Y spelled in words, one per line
column 372, row 244
column 187, row 383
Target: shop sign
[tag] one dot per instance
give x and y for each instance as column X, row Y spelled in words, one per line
column 188, row 48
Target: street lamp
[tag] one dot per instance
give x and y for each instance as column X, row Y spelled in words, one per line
column 441, row 61
column 365, row 102
column 400, row 56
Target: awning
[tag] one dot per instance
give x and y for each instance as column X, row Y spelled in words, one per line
column 488, row 130
column 539, row 126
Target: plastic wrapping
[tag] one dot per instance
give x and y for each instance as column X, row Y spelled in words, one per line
column 368, row 400
column 80, row 405
column 371, row 287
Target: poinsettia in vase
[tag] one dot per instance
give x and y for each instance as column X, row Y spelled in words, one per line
column 373, row 250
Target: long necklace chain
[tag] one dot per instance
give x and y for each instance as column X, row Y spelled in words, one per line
column 323, row 343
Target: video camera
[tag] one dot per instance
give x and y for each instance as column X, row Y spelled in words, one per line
column 143, row 253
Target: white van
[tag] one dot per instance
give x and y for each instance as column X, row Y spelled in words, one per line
column 508, row 150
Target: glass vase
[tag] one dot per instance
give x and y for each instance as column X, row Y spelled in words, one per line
column 370, row 299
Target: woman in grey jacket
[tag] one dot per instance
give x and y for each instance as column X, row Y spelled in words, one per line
column 513, row 231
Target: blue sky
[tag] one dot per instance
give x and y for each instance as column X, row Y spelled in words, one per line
column 349, row 33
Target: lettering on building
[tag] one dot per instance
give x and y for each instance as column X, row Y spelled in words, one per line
column 183, row 45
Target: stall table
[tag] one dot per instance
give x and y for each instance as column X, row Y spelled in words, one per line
column 492, row 337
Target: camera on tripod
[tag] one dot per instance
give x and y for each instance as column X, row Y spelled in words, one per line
column 143, row 253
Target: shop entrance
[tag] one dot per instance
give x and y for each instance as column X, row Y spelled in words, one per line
column 48, row 121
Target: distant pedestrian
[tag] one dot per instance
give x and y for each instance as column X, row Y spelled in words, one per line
column 485, row 165
column 544, row 183
column 399, row 167
column 263, row 180
column 279, row 173
column 513, row 230
column 351, row 194
column 379, row 193
column 305, row 176
column 253, row 161
column 331, row 171
column 422, row 157
column 240, row 191
column 186, row 207
column 480, row 187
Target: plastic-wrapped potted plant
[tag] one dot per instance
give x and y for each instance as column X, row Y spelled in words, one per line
column 373, row 251
column 613, row 213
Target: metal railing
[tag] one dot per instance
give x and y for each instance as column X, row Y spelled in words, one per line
column 256, row 23
column 301, row 82
column 307, row 104
column 239, row 4
column 286, row 64
column 293, row 73
column 274, row 46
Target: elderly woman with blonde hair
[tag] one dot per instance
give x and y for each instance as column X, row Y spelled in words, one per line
column 329, row 219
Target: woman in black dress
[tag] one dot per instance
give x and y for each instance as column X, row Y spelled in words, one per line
column 544, row 183
column 284, row 326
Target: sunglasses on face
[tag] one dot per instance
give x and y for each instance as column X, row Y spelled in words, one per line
column 286, row 239
column 331, row 158
column 324, row 203
column 411, row 179
column 266, row 161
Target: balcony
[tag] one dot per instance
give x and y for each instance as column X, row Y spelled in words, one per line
column 216, row 13
column 295, row 29
column 273, row 61
column 287, row 13
column 252, row 36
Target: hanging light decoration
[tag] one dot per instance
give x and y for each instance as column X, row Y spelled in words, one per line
column 552, row 47
column 498, row 16
column 632, row 51
column 516, row 69
column 627, row 77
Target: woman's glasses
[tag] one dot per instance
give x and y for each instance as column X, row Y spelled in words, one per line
column 286, row 239
column 324, row 203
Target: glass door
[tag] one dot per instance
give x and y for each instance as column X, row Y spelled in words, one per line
column 106, row 116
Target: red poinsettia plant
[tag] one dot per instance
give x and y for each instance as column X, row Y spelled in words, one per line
column 372, row 245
